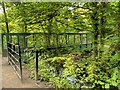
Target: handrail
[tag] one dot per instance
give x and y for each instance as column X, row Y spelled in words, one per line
column 43, row 33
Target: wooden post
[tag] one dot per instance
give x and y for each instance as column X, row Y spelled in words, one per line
column 36, row 65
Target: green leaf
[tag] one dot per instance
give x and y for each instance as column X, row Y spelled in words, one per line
column 107, row 86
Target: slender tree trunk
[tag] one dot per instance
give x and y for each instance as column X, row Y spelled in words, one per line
column 95, row 40
column 25, row 28
column 24, row 24
column 102, row 22
column 118, row 27
column 102, row 26
column 94, row 18
column 49, row 31
column 6, row 21
column 24, row 21
column 118, row 23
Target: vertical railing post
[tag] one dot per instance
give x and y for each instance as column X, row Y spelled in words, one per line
column 74, row 38
column 26, row 41
column 86, row 40
column 91, row 39
column 7, row 40
column 18, row 39
column 20, row 62
column 52, row 40
column 2, row 44
column 57, row 39
column 62, row 43
column 10, row 39
column 66, row 38
column 34, row 41
column 80, row 40
column 60, row 40
column 36, row 65
column 23, row 42
column 9, row 50
column 13, row 48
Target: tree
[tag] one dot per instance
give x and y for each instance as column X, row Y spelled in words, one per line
column 6, row 21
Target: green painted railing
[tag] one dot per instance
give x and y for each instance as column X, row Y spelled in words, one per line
column 46, row 40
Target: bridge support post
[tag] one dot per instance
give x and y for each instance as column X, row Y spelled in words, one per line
column 36, row 65
column 20, row 62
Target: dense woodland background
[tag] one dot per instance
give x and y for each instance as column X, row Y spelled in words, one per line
column 101, row 67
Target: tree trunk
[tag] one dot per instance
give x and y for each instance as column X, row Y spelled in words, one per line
column 94, row 18
column 118, row 27
column 6, row 21
column 102, row 27
column 49, row 32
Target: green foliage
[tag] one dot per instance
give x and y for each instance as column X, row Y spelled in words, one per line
column 75, row 69
column 71, row 67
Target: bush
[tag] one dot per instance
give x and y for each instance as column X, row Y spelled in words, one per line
column 81, row 70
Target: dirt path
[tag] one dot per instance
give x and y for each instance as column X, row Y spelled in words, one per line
column 11, row 80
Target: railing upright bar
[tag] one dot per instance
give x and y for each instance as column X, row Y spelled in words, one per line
column 91, row 40
column 33, row 40
column 57, row 39
column 20, row 62
column 10, row 39
column 80, row 40
column 66, row 38
column 18, row 39
column 36, row 65
column 74, row 39
column 2, row 43
column 86, row 40
column 8, row 52
column 13, row 48
column 10, row 46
